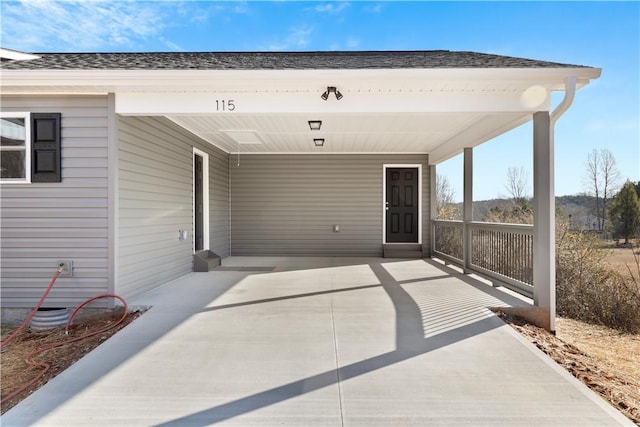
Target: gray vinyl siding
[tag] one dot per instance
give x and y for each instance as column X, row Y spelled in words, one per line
column 41, row 223
column 288, row 204
column 156, row 200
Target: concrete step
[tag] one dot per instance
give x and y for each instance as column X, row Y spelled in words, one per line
column 204, row 261
column 404, row 254
column 403, row 250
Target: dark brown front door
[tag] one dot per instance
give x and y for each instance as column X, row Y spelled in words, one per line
column 198, row 202
column 402, row 205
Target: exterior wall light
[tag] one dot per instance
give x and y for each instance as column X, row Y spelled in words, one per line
column 315, row 124
column 318, row 142
column 331, row 89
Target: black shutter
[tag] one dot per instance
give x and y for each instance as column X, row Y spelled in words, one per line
column 46, row 153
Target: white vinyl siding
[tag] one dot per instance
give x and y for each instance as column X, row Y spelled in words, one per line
column 156, row 201
column 289, row 204
column 41, row 223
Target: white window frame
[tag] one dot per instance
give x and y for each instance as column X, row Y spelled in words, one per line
column 27, row 147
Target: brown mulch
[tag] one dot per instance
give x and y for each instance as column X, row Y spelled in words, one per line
column 620, row 388
column 14, row 372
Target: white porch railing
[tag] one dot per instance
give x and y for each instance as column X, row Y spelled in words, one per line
column 447, row 239
column 500, row 251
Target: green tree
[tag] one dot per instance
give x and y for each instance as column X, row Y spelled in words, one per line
column 625, row 212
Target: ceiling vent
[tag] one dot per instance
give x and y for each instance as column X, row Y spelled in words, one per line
column 244, row 136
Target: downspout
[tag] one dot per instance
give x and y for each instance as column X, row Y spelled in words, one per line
column 569, row 95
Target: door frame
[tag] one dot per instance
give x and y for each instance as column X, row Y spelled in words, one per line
column 205, row 200
column 385, row 166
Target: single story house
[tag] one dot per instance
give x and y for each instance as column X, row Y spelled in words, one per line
column 125, row 165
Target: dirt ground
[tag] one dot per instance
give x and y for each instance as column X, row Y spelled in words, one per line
column 14, row 372
column 623, row 259
column 604, row 359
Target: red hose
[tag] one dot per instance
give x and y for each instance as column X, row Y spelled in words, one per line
column 45, row 366
column 33, row 312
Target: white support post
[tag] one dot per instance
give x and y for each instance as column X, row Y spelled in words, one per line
column 433, row 208
column 467, row 206
column 544, row 250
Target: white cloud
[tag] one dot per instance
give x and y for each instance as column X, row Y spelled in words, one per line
column 377, row 8
column 173, row 47
column 353, row 43
column 297, row 38
column 73, row 25
column 331, row 8
column 241, row 7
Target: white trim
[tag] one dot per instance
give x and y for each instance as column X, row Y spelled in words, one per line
column 321, row 153
column 27, row 147
column 384, row 196
column 205, row 201
column 78, row 81
column 113, row 197
column 16, row 55
column 364, row 100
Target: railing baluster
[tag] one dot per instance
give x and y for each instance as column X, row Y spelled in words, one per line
column 504, row 251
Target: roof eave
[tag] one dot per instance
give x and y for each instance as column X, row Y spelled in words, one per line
column 114, row 80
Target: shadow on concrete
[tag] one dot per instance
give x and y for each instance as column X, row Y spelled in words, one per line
column 410, row 342
column 197, row 291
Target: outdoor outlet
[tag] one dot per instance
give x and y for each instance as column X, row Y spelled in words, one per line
column 67, row 268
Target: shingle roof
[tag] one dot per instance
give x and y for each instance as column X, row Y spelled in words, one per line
column 275, row 61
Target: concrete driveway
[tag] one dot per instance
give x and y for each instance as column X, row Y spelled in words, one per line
column 317, row 342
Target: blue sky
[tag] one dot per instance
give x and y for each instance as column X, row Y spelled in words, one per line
column 605, row 114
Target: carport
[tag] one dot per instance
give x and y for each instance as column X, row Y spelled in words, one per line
column 306, row 153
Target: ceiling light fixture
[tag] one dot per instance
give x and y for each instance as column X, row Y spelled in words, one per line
column 315, row 124
column 331, row 89
column 318, row 142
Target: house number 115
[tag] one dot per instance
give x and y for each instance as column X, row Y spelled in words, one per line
column 225, row 105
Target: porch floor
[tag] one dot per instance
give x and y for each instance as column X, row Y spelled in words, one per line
column 317, row 341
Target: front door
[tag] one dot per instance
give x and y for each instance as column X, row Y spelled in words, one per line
column 402, row 205
column 198, row 202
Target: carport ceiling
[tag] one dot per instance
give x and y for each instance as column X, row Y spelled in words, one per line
column 352, row 132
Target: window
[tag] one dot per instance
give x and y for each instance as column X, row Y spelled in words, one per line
column 30, row 149
column 15, row 148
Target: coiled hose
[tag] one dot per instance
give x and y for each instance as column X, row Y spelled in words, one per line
column 45, row 366
column 34, row 311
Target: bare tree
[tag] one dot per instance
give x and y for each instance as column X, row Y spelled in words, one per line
column 446, row 207
column 602, row 177
column 516, row 185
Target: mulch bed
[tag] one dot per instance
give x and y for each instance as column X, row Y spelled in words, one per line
column 14, row 372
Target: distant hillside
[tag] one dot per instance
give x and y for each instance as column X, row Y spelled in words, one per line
column 578, row 206
column 480, row 208
column 579, row 209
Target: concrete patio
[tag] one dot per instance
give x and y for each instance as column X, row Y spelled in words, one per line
column 318, row 342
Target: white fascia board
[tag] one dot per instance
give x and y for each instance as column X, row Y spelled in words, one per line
column 176, row 80
column 203, row 103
